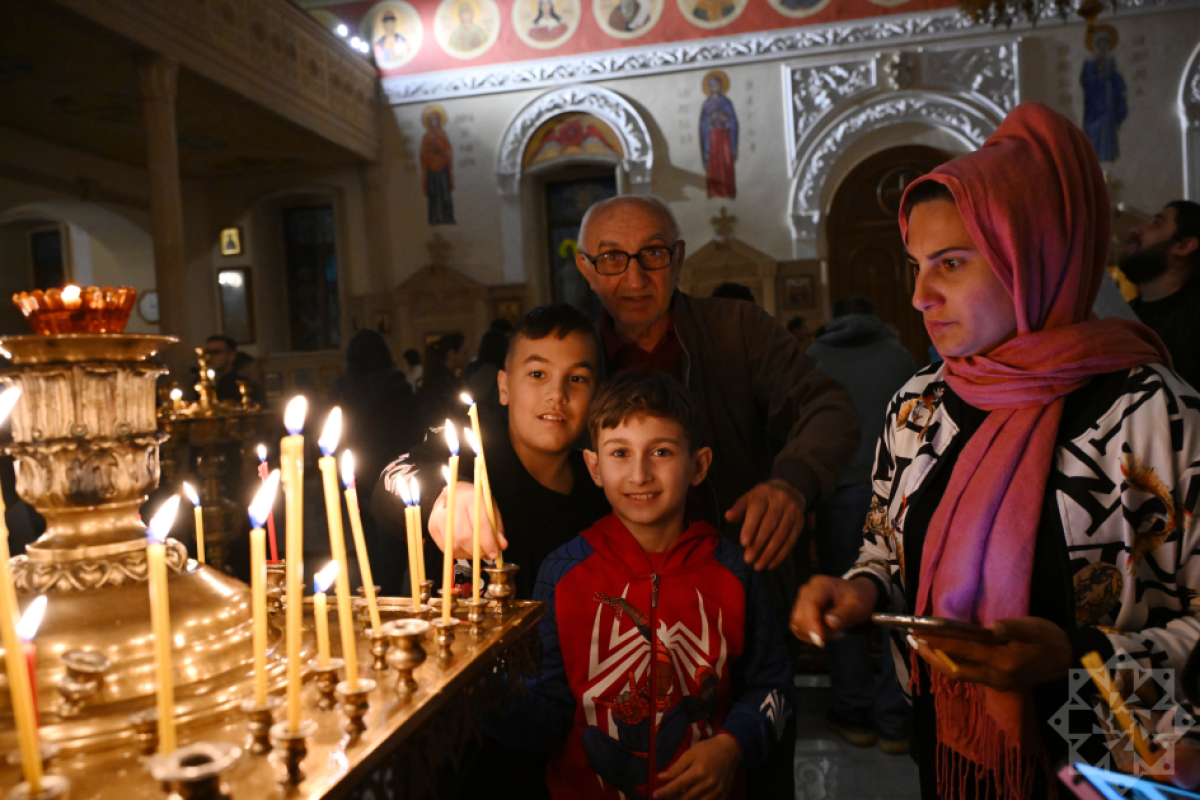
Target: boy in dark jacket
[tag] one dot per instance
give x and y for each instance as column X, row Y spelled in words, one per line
column 665, row 673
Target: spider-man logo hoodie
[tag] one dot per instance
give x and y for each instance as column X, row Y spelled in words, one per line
column 646, row 654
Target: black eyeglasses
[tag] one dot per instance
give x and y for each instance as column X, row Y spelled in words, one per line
column 614, row 262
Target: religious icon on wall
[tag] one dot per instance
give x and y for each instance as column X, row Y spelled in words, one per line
column 798, row 8
column 1103, row 93
column 546, row 23
column 466, row 28
column 712, row 13
column 569, row 136
column 718, row 136
column 395, row 32
column 231, row 241
column 627, row 19
column 437, row 167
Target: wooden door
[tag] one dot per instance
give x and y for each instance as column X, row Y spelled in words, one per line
column 866, row 254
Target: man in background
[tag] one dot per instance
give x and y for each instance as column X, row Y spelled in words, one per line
column 222, row 352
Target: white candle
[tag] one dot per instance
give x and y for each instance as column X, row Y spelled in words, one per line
column 448, row 537
column 160, row 621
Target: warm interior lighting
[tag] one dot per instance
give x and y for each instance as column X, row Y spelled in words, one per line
column 163, row 519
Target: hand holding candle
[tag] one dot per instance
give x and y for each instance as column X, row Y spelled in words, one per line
column 321, row 583
column 360, row 542
column 337, row 539
column 198, row 514
column 160, row 621
column 291, row 460
column 259, row 509
column 448, row 550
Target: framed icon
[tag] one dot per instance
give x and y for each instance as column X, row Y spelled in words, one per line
column 231, row 241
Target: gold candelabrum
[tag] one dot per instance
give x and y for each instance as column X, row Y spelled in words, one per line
column 86, row 439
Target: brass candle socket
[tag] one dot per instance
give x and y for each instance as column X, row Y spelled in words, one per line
column 379, row 648
column 276, row 578
column 327, row 681
column 354, row 704
column 145, row 731
column 406, row 653
column 502, row 586
column 260, row 720
column 82, row 680
column 476, row 614
column 54, row 787
column 362, row 607
column 441, row 598
column 420, row 612
column 444, row 632
column 288, row 750
column 426, row 592
column 193, row 772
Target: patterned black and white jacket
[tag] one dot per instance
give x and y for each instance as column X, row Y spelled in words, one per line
column 1127, row 490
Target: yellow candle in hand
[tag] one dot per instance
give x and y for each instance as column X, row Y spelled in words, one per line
column 476, row 548
column 419, row 534
column 160, row 621
column 291, row 460
column 337, row 540
column 410, row 533
column 481, row 480
column 321, row 585
column 360, row 542
column 448, row 535
column 199, row 517
column 259, row 510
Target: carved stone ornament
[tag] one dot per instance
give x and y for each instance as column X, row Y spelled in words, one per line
column 709, row 53
column 988, row 72
column 40, row 577
column 609, row 106
column 1189, row 92
column 815, row 90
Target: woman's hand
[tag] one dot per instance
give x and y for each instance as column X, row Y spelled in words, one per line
column 827, row 606
column 491, row 543
column 1031, row 651
column 704, row 772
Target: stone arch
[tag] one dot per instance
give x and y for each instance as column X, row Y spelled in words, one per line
column 619, row 113
column 965, row 121
column 1189, row 118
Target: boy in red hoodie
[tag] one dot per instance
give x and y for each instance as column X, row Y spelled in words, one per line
column 660, row 645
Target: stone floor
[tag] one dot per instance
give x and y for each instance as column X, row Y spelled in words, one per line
column 830, row 768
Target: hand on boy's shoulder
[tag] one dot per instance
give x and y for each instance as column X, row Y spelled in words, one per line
column 704, row 772
column 772, row 515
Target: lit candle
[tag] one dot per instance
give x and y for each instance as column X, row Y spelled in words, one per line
column 476, row 548
column 291, row 460
column 198, row 514
column 337, row 539
column 360, row 542
column 321, row 583
column 19, row 685
column 259, row 510
column 413, row 576
column 414, row 489
column 482, row 483
column 448, row 537
column 27, row 629
column 177, row 400
column 263, row 471
column 160, row 621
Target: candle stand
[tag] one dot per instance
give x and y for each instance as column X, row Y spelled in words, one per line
column 354, row 701
column 406, row 653
column 379, row 648
column 476, row 615
column 276, row 578
column 444, row 636
column 194, row 772
column 426, row 592
column 289, row 749
column 259, row 722
column 327, row 681
column 81, row 680
column 502, row 586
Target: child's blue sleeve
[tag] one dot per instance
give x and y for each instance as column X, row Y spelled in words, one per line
column 540, row 719
column 762, row 677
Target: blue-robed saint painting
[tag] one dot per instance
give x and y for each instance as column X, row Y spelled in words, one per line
column 1103, row 94
column 718, row 136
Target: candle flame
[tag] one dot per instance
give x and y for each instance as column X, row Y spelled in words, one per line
column 347, row 469
column 70, row 293
column 177, row 394
column 324, row 579
column 8, row 399
column 414, row 490
column 451, row 438
column 332, row 432
column 211, row 374
column 31, row 620
column 261, row 507
column 471, row 440
column 402, row 490
column 163, row 519
column 466, row 398
column 262, row 452
column 293, row 415
column 191, row 493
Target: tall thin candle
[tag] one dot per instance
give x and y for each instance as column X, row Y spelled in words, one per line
column 198, row 515
column 263, row 471
column 337, row 539
column 481, row 476
column 259, row 509
column 413, row 577
column 321, row 583
column 291, row 459
column 160, row 621
column 27, row 629
column 448, row 543
column 419, row 535
column 476, row 548
column 360, row 541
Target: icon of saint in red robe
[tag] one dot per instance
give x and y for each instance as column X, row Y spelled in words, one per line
column 719, row 137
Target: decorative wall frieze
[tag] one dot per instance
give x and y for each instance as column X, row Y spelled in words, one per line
column 989, row 72
column 80, row 575
column 890, row 31
column 619, row 113
column 816, row 90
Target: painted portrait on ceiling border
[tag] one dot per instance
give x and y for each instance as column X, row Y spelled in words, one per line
column 627, row 19
column 545, row 24
column 797, row 9
column 712, row 13
column 394, row 30
column 466, row 29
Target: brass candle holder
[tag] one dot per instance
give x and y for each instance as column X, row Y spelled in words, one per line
column 420, row 612
column 145, row 731
column 327, row 681
column 406, row 653
column 441, row 598
column 259, row 722
column 444, row 633
column 362, row 607
column 379, row 648
column 82, row 680
column 502, row 586
column 354, row 702
column 276, row 578
column 426, row 592
column 193, row 772
column 288, row 750
column 54, row 787
column 476, row 614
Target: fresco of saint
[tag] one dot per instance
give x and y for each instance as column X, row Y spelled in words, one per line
column 437, row 167
column 468, row 35
column 719, row 136
column 1103, row 93
column 547, row 25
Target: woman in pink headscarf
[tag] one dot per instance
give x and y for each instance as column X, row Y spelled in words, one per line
column 1041, row 482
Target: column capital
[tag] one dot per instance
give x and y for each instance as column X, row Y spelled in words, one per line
column 157, row 78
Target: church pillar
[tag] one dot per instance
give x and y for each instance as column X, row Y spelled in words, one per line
column 157, row 84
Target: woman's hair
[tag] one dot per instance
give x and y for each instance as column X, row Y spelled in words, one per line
column 554, row 14
column 926, row 192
